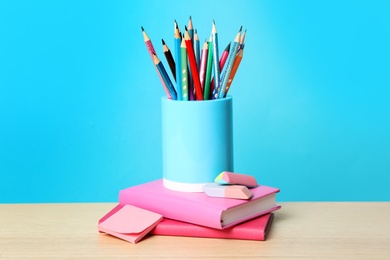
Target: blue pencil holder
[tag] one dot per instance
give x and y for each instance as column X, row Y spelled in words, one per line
column 197, row 142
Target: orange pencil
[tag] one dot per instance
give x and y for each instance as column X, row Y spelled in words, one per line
column 234, row 69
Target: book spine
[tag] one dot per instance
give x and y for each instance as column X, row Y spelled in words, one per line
column 168, row 228
column 173, row 208
column 258, row 214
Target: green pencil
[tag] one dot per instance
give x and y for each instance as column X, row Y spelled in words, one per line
column 209, row 69
column 184, row 68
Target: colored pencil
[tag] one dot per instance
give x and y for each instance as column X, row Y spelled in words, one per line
column 184, row 70
column 222, row 61
column 189, row 75
column 236, row 63
column 165, row 76
column 197, row 48
column 151, row 52
column 148, row 43
column 193, row 66
column 190, row 29
column 169, row 58
column 229, row 65
column 177, row 43
column 242, row 39
column 214, row 35
column 209, row 69
column 203, row 64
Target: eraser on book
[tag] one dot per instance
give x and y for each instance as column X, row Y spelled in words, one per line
column 227, row 191
column 236, row 178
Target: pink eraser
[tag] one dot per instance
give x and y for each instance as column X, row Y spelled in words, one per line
column 236, row 178
column 227, row 191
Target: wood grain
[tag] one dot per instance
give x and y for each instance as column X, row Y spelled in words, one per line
column 310, row 230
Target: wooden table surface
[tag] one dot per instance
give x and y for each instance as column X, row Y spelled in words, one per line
column 310, row 230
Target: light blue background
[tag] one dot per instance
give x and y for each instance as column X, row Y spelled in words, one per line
column 80, row 99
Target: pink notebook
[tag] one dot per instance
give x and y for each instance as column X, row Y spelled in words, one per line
column 255, row 229
column 128, row 222
column 197, row 208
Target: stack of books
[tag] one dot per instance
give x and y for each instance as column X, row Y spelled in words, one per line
column 150, row 208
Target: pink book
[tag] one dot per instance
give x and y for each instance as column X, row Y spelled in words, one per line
column 197, row 208
column 255, row 229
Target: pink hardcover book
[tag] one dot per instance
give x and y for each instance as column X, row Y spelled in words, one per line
column 197, row 208
column 255, row 229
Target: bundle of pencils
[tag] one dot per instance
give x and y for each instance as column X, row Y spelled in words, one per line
column 200, row 74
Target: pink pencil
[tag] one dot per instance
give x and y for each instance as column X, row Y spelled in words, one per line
column 151, row 51
column 203, row 64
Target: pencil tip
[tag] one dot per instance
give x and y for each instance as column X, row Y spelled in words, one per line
column 142, row 28
column 228, row 47
column 240, row 29
column 163, row 41
column 185, row 27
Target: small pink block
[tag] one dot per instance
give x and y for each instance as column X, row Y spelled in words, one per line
column 236, row 178
column 227, row 191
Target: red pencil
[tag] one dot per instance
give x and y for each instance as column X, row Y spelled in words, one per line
column 193, row 66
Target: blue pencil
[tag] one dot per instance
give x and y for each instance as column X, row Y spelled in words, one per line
column 190, row 29
column 217, row 71
column 229, row 66
column 177, row 42
column 197, row 49
column 165, row 77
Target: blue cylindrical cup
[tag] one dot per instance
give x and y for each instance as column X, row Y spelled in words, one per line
column 197, row 142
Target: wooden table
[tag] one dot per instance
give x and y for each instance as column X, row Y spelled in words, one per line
column 300, row 230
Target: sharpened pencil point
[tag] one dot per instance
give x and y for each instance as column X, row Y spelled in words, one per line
column 163, row 41
column 187, row 35
column 142, row 28
column 190, row 26
column 214, row 28
column 227, row 47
